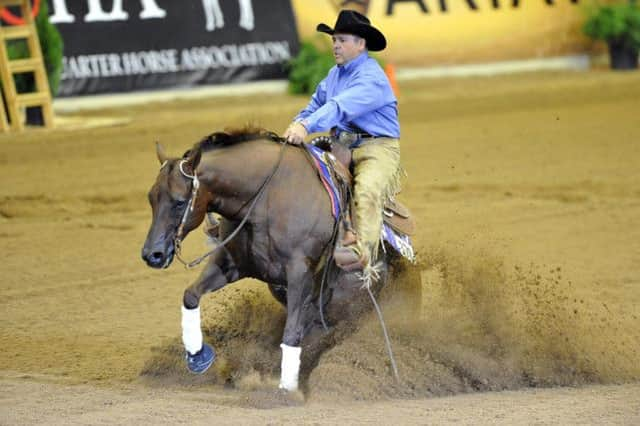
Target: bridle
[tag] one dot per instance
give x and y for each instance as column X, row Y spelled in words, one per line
column 195, row 185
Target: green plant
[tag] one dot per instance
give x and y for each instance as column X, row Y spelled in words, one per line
column 615, row 23
column 52, row 47
column 309, row 67
column 51, row 44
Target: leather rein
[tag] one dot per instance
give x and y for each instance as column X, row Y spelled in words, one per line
column 195, row 185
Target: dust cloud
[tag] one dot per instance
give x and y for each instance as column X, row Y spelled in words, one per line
column 458, row 321
column 482, row 328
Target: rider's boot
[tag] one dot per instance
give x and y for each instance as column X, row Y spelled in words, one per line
column 349, row 255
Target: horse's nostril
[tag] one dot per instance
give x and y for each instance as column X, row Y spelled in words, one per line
column 156, row 256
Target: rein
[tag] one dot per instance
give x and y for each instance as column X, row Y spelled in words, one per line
column 195, row 186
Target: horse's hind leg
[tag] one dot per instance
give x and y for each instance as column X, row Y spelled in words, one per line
column 217, row 273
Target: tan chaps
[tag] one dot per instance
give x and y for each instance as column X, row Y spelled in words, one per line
column 376, row 177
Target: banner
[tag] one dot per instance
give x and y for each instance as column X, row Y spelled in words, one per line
column 446, row 32
column 120, row 46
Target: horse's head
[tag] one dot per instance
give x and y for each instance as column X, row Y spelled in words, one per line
column 170, row 198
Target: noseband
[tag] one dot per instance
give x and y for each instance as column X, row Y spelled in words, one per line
column 190, row 206
column 195, row 185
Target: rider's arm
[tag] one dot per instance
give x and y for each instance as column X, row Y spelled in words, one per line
column 317, row 100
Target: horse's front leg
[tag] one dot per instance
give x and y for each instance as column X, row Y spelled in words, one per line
column 217, row 273
column 299, row 299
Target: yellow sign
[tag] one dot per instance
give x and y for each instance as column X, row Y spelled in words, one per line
column 444, row 32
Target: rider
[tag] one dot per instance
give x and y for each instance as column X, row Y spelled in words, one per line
column 357, row 104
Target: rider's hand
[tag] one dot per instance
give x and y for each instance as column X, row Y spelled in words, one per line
column 295, row 133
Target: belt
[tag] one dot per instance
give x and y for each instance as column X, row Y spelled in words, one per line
column 353, row 140
column 364, row 135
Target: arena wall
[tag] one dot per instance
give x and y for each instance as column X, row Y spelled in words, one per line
column 124, row 46
column 447, row 32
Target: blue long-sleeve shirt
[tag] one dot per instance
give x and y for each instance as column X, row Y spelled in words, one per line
column 354, row 97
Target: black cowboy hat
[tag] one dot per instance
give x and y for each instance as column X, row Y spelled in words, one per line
column 352, row 22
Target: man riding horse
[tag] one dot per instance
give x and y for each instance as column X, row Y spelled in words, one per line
column 282, row 237
column 357, row 104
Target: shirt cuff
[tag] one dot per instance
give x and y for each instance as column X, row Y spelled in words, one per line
column 304, row 123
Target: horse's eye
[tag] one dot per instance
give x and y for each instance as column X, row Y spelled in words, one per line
column 180, row 204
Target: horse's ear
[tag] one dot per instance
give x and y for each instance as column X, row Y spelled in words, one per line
column 162, row 157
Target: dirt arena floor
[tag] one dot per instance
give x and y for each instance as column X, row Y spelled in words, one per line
column 527, row 193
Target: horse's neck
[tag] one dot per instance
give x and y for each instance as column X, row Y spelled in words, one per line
column 234, row 174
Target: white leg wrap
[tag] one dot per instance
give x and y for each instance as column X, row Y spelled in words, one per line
column 290, row 367
column 191, row 333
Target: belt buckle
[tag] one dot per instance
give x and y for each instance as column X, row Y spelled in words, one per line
column 346, row 138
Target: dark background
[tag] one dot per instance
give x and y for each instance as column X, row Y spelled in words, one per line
column 182, row 27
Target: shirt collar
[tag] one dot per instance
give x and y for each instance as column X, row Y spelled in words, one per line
column 355, row 62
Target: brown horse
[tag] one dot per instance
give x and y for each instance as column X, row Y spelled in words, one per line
column 271, row 199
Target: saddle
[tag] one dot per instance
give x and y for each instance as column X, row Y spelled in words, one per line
column 395, row 214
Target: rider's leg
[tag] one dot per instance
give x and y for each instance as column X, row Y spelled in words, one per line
column 376, row 177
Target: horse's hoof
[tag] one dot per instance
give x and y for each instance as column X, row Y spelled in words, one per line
column 201, row 360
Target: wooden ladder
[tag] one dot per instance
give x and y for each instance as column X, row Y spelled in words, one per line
column 41, row 97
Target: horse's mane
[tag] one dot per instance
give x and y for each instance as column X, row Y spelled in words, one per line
column 231, row 136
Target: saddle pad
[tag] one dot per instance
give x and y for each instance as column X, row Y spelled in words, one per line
column 400, row 243
column 323, row 165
